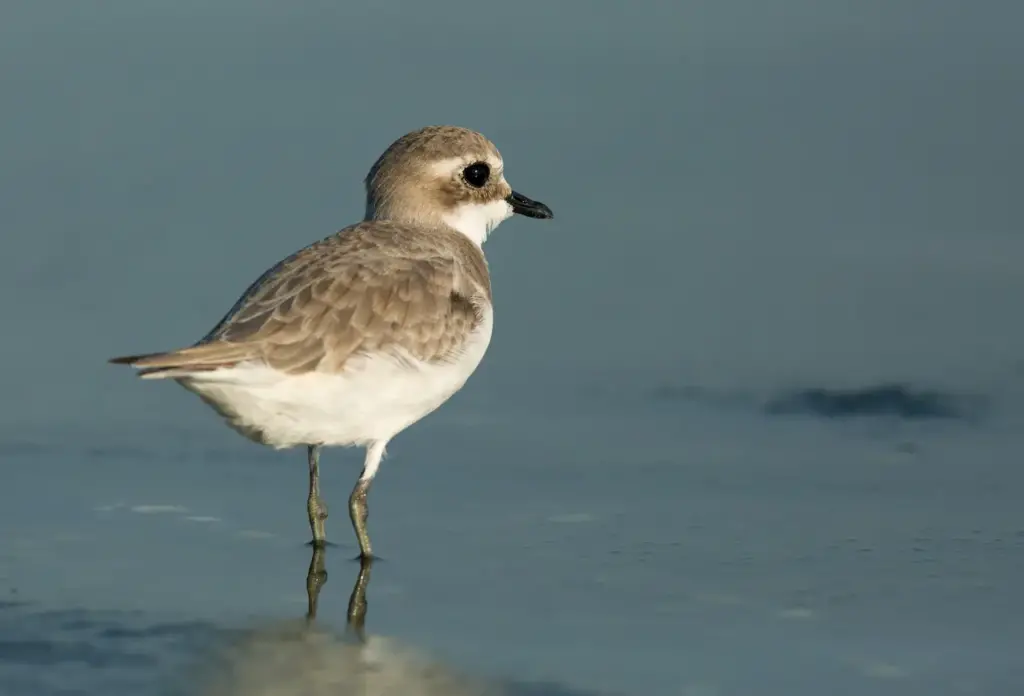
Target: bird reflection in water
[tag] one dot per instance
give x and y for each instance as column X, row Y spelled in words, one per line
column 316, row 578
column 305, row 658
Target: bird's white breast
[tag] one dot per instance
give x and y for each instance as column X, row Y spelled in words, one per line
column 375, row 397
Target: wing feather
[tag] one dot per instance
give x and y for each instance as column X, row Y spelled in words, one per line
column 375, row 287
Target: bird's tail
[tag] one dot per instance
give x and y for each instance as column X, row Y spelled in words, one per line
column 186, row 361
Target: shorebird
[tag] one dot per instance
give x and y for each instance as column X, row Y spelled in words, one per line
column 354, row 338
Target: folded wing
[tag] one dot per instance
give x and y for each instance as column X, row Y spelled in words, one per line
column 333, row 301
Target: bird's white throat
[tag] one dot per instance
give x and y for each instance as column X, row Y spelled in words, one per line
column 477, row 220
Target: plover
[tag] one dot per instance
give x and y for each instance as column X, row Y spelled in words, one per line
column 355, row 337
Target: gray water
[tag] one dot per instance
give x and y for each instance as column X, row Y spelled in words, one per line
column 750, row 422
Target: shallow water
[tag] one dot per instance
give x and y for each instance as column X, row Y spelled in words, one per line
column 799, row 556
column 750, row 423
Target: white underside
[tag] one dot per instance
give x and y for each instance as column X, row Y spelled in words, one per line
column 375, row 398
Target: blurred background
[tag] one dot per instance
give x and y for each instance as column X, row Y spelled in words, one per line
column 751, row 417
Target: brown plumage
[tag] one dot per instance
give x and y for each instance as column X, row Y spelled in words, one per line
column 374, row 286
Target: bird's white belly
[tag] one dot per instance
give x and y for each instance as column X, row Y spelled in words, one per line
column 373, row 399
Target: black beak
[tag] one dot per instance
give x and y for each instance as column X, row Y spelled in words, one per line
column 524, row 206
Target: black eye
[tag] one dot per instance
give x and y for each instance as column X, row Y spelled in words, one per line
column 476, row 174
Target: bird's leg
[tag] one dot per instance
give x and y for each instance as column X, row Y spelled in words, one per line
column 314, row 505
column 357, row 507
column 359, row 511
